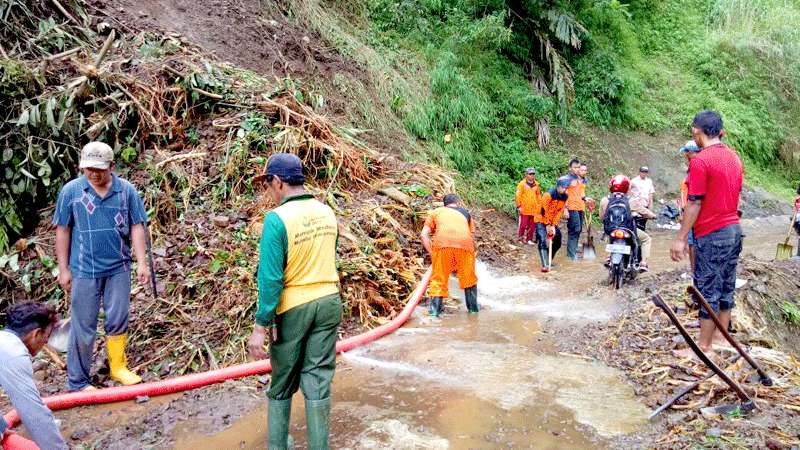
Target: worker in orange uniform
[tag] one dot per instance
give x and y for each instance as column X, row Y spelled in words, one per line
column 528, row 201
column 576, row 205
column 452, row 249
column 552, row 209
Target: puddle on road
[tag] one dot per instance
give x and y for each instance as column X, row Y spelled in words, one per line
column 464, row 382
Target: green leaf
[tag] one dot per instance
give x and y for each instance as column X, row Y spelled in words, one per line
column 13, row 262
column 49, row 109
column 27, row 174
column 23, row 118
column 8, row 153
column 34, row 116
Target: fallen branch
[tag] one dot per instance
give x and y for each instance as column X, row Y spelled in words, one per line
column 179, row 158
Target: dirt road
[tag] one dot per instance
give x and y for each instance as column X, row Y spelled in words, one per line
column 495, row 380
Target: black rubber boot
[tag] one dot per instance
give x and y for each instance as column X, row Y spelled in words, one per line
column 435, row 306
column 278, row 423
column 471, row 296
column 317, row 419
column 544, row 257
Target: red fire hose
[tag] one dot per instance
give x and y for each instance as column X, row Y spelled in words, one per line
column 12, row 441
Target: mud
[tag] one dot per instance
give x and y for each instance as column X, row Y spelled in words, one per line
column 527, row 372
column 253, row 34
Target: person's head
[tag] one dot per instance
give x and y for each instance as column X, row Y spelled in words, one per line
column 644, row 172
column 562, row 184
column 530, row 174
column 96, row 161
column 707, row 128
column 690, row 150
column 574, row 166
column 620, row 184
column 583, row 170
column 283, row 176
column 451, row 200
column 32, row 322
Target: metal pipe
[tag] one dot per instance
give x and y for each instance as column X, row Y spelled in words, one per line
column 698, row 297
column 658, row 301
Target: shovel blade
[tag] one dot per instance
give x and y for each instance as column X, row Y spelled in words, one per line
column 59, row 338
column 785, row 251
column 589, row 252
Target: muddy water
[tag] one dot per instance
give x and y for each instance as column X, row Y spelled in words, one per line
column 493, row 380
column 482, row 381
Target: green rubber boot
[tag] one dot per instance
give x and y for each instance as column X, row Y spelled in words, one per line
column 317, row 417
column 278, row 423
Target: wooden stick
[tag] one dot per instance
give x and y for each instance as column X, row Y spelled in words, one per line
column 104, row 50
column 182, row 157
column 65, row 12
column 54, row 356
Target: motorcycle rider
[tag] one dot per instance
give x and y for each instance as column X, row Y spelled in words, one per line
column 618, row 189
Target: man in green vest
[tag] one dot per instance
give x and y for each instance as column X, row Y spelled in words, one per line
column 298, row 302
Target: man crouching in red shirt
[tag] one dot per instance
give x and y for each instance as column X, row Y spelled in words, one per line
column 715, row 181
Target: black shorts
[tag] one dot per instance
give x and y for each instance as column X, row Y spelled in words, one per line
column 716, row 257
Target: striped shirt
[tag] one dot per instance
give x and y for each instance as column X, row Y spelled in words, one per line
column 100, row 226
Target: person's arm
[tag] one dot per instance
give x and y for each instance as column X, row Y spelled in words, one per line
column 17, row 381
column 697, row 192
column 139, row 245
column 63, row 236
column 271, row 265
column 425, row 236
column 518, row 196
column 603, row 207
column 137, row 217
column 62, row 219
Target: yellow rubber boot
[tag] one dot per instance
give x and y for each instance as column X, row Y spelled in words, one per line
column 115, row 347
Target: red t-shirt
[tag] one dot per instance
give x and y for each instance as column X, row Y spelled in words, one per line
column 715, row 177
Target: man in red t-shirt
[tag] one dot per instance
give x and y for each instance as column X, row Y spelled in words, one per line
column 715, row 181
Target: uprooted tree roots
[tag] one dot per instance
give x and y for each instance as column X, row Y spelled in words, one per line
column 641, row 344
column 190, row 134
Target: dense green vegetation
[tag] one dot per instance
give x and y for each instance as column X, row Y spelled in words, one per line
column 496, row 75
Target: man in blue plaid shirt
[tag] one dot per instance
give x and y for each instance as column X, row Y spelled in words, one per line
column 98, row 217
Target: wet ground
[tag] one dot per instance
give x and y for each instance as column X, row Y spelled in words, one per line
column 492, row 380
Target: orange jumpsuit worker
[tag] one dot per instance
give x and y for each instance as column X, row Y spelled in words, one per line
column 528, row 201
column 553, row 203
column 452, row 249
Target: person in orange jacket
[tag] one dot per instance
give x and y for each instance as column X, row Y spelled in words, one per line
column 528, row 201
column 552, row 209
column 452, row 249
column 689, row 151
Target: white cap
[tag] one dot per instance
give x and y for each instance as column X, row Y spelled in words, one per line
column 96, row 155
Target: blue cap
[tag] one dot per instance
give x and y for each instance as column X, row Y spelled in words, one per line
column 563, row 182
column 282, row 165
column 690, row 146
column 285, row 165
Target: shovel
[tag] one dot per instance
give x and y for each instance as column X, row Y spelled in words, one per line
column 588, row 248
column 786, row 251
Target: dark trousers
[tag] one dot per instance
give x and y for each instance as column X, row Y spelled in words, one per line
column 304, row 356
column 541, row 233
column 716, row 257
column 574, row 228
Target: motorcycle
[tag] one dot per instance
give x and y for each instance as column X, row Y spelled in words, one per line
column 623, row 263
